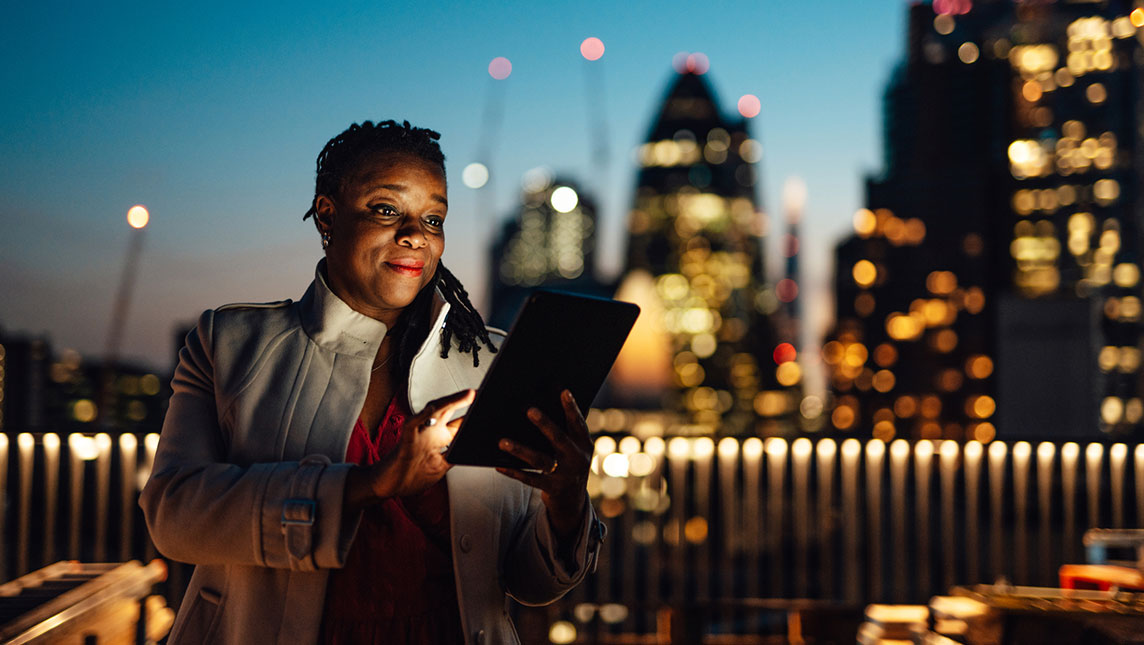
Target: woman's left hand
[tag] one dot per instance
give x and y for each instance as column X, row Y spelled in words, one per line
column 563, row 480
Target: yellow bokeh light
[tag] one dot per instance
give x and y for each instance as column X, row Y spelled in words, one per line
column 984, row 432
column 865, row 222
column 905, row 406
column 1126, row 275
column 885, row 355
column 884, row 381
column 945, row 341
column 1111, row 410
column 979, row 366
column 84, row 411
column 864, row 273
column 884, row 430
column 856, row 355
column 842, row 417
column 1137, row 17
column 968, row 53
column 1096, row 93
column 137, row 216
column 695, row 530
column 981, row 407
column 788, row 373
column 941, row 282
column 562, row 632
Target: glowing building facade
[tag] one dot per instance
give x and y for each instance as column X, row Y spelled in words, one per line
column 550, row 242
column 704, row 345
column 991, row 287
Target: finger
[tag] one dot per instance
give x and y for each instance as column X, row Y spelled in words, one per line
column 530, row 479
column 555, row 434
column 577, row 427
column 442, row 408
column 534, row 458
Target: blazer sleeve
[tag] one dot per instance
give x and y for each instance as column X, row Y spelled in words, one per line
column 539, row 568
column 202, row 510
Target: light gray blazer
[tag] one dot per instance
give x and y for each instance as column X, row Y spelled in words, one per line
column 248, row 480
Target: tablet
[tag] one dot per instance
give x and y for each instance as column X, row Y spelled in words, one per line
column 559, row 341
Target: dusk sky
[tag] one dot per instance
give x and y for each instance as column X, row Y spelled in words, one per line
column 211, row 115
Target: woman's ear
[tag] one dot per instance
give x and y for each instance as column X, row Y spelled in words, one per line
column 324, row 212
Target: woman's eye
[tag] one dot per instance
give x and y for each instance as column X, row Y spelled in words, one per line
column 385, row 210
column 435, row 221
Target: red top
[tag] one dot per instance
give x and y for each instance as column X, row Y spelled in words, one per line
column 397, row 585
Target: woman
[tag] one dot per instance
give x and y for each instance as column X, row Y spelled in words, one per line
column 300, row 462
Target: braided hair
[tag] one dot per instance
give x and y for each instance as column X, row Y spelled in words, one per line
column 337, row 164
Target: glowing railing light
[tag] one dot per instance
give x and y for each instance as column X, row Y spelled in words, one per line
column 875, row 449
column 900, row 449
column 151, row 442
column 851, row 448
column 776, row 447
column 1118, row 451
column 1022, row 450
column 654, row 446
column 801, row 448
column 973, row 450
column 605, row 445
column 82, row 446
column 997, row 450
column 949, row 449
column 25, row 441
column 1046, row 450
column 924, row 449
column 827, row 448
column 128, row 443
column 728, row 448
column 1094, row 452
column 702, row 448
column 1070, row 451
column 51, row 442
column 753, row 448
column 103, row 442
column 678, row 448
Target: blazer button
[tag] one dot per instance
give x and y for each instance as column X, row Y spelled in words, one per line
column 466, row 546
column 479, row 637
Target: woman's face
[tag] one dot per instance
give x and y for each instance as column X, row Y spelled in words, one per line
column 387, row 233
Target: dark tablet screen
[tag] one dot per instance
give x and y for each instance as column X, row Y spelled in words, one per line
column 559, row 341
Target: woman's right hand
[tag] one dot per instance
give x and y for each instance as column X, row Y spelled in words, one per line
column 417, row 462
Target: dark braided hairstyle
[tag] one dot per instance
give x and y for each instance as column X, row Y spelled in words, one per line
column 338, row 163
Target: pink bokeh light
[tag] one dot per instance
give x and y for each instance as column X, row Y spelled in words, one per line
column 592, row 48
column 750, row 106
column 500, row 68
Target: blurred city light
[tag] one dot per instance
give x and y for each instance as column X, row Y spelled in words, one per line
column 475, row 175
column 137, row 216
column 749, row 106
column 592, row 48
column 500, row 68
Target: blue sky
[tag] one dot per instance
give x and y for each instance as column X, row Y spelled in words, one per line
column 211, row 116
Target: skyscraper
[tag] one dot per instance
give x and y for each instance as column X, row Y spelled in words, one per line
column 992, row 284
column 550, row 242
column 704, row 344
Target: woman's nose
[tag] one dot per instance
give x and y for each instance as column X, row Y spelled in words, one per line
column 410, row 234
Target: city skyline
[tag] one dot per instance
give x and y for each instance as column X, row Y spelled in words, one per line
column 213, row 123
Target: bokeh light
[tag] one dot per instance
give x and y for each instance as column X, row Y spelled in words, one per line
column 500, row 68
column 750, row 106
column 592, row 48
column 475, row 175
column 690, row 63
column 137, row 216
column 564, row 199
